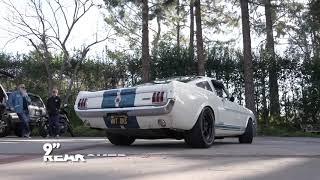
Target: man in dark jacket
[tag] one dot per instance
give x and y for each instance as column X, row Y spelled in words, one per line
column 53, row 107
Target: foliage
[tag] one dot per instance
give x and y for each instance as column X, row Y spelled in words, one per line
column 285, row 132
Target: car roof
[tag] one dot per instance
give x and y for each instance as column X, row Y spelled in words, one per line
column 186, row 79
column 214, row 82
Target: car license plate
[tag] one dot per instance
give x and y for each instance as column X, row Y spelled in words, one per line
column 119, row 119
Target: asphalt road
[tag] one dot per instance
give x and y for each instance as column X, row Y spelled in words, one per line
column 267, row 158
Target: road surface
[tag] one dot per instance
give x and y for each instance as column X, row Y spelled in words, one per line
column 267, row 158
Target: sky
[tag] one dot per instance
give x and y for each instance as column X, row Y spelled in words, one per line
column 92, row 25
column 85, row 31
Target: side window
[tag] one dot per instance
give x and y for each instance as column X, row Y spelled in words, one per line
column 204, row 85
column 218, row 90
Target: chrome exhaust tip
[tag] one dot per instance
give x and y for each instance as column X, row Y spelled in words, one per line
column 162, row 123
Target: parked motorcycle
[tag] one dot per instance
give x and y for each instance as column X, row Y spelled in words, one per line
column 64, row 124
column 4, row 121
column 4, row 117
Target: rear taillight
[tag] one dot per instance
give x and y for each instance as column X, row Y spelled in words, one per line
column 158, row 97
column 83, row 103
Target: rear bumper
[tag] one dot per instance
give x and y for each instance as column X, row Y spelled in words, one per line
column 130, row 111
column 149, row 133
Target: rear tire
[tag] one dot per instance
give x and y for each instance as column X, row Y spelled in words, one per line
column 203, row 132
column 247, row 137
column 120, row 140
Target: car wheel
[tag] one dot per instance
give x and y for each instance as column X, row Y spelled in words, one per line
column 4, row 127
column 203, row 132
column 120, row 140
column 247, row 137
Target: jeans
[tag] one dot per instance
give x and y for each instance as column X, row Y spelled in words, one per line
column 54, row 124
column 24, row 118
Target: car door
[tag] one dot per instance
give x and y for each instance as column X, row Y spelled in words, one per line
column 229, row 112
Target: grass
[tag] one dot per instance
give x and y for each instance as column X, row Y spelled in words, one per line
column 282, row 132
column 85, row 131
column 79, row 131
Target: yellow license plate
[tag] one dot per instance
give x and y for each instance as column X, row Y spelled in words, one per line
column 119, row 119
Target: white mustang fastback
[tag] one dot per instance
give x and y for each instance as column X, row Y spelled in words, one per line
column 196, row 109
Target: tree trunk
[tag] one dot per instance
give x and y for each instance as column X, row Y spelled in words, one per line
column 74, row 75
column 315, row 44
column 50, row 84
column 145, row 42
column 200, row 49
column 65, row 59
column 264, row 103
column 156, row 39
column 270, row 55
column 178, row 28
column 248, row 68
column 191, row 45
column 46, row 60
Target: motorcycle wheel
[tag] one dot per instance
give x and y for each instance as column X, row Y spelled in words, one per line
column 4, row 127
column 43, row 129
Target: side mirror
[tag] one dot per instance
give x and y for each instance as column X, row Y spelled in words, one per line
column 232, row 99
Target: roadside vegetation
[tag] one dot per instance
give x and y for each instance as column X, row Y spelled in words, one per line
column 283, row 132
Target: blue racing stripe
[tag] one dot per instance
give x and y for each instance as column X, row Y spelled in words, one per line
column 127, row 97
column 229, row 127
column 109, row 99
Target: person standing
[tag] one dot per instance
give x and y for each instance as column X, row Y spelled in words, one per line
column 19, row 102
column 53, row 107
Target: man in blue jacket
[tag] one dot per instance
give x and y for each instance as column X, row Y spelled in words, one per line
column 19, row 102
